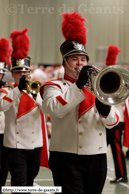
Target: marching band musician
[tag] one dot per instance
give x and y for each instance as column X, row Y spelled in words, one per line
column 114, row 139
column 23, row 134
column 78, row 142
column 5, row 52
column 114, row 136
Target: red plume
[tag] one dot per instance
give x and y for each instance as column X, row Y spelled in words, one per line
column 8, row 57
column 4, row 50
column 20, row 44
column 73, row 27
column 113, row 51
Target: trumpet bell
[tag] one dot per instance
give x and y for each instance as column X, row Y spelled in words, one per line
column 111, row 85
column 33, row 87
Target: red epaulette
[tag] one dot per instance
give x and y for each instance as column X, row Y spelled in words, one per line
column 48, row 83
column 2, row 90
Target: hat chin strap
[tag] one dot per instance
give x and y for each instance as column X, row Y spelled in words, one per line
column 77, row 72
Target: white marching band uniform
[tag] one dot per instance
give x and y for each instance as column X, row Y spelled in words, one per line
column 23, row 122
column 78, row 135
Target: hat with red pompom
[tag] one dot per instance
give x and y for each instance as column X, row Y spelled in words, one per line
column 20, row 45
column 74, row 32
column 112, row 53
column 5, row 53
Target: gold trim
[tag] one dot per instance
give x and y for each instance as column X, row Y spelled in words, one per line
column 20, row 67
column 28, row 59
column 75, row 53
column 65, row 44
column 20, row 62
column 4, row 69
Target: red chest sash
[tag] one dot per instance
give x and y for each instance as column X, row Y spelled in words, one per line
column 88, row 103
column 26, row 105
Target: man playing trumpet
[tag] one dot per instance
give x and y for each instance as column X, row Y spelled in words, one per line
column 78, row 142
column 23, row 134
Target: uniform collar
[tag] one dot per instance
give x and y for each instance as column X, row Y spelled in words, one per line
column 66, row 77
column 15, row 85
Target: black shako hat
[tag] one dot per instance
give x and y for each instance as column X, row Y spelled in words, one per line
column 74, row 32
column 20, row 44
column 21, row 64
column 71, row 48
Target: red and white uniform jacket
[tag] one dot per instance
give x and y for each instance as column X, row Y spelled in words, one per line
column 77, row 126
column 22, row 119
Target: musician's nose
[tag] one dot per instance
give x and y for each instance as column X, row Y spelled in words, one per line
column 79, row 62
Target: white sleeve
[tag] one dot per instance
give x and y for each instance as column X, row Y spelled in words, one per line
column 6, row 100
column 58, row 103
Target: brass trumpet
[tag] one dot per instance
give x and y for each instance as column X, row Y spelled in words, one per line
column 110, row 85
column 32, row 87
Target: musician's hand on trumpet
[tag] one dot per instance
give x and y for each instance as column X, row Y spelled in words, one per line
column 31, row 87
column 84, row 76
column 23, row 83
column 103, row 109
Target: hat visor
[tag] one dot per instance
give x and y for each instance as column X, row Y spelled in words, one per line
column 78, row 53
column 20, row 69
column 3, row 70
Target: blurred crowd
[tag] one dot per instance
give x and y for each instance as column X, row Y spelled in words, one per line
column 44, row 72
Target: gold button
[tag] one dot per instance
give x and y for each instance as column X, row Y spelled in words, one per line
column 17, row 123
column 32, row 141
column 64, row 83
column 100, row 134
column 100, row 147
column 17, row 141
column 80, row 134
column 98, row 122
column 17, row 132
column 15, row 104
column 8, row 88
column 80, row 122
column 33, row 114
column 96, row 111
column 0, row 114
column 32, row 132
column 32, row 122
column 80, row 147
column 0, row 122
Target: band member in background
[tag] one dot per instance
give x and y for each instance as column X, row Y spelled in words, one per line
column 5, row 53
column 114, row 136
column 23, row 134
column 78, row 142
column 114, row 139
